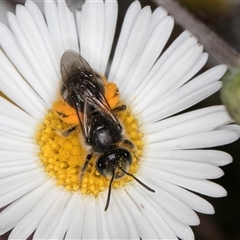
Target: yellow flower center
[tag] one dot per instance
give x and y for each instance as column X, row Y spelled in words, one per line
column 64, row 157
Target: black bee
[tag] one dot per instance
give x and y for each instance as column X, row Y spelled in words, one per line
column 83, row 90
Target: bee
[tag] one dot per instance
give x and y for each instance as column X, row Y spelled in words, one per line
column 83, row 89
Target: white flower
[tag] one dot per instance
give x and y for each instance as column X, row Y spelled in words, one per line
column 174, row 159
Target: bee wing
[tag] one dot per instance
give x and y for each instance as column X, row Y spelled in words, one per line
column 83, row 119
column 100, row 103
column 82, row 110
column 91, row 91
column 86, row 121
column 71, row 62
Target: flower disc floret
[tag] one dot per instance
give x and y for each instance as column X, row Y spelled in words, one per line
column 63, row 158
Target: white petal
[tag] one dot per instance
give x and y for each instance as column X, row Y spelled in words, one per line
column 34, row 38
column 48, row 223
column 162, row 229
column 78, row 23
column 173, row 205
column 181, row 230
column 214, row 157
column 191, row 93
column 157, row 16
column 117, row 229
column 9, row 142
column 51, row 13
column 42, row 27
column 15, row 87
column 189, row 123
column 19, row 162
column 85, row 30
column 21, row 190
column 157, row 34
column 12, row 155
column 23, row 36
column 186, row 97
column 199, row 140
column 198, row 185
column 111, row 10
column 28, row 224
column 200, row 62
column 177, row 226
column 128, row 218
column 145, row 229
column 232, row 127
column 159, row 25
column 20, row 208
column 75, row 228
column 66, row 218
column 68, row 27
column 192, row 200
column 183, row 46
column 12, row 170
column 167, row 77
column 151, row 52
column 92, row 32
column 10, row 183
column 14, row 132
column 11, row 110
column 182, row 43
column 181, row 118
column 129, row 20
column 133, row 46
column 90, row 219
column 15, row 54
column 102, row 222
column 16, row 125
column 185, row 168
column 191, row 72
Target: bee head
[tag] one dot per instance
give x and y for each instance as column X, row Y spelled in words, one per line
column 114, row 162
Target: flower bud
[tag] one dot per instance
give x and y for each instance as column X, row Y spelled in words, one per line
column 230, row 94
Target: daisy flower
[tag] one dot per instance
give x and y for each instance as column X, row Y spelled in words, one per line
column 41, row 194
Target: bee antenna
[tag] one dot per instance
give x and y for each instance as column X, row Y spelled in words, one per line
column 109, row 190
column 131, row 175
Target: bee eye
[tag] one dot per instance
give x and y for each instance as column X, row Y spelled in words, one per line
column 108, row 163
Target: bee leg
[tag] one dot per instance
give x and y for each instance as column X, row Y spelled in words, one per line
column 65, row 133
column 84, row 168
column 128, row 143
column 119, row 108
